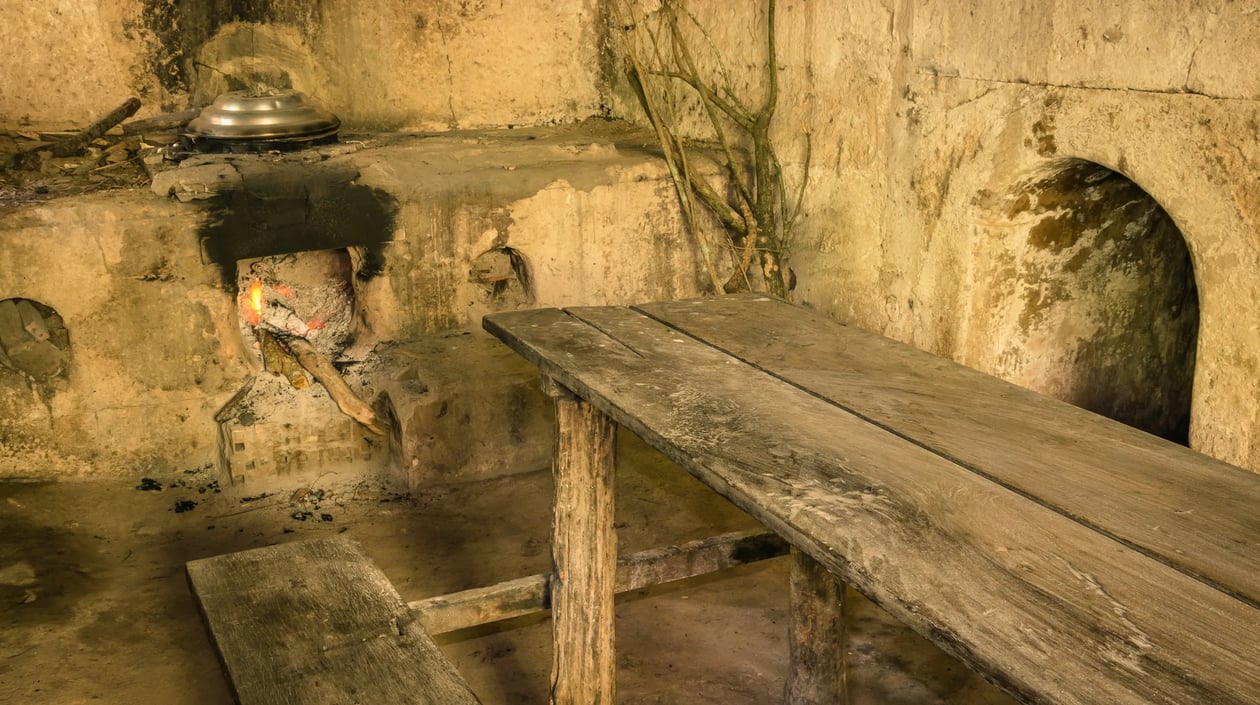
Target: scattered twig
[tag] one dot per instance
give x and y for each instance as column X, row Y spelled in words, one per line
column 117, row 164
column 73, row 145
column 160, row 123
column 247, row 510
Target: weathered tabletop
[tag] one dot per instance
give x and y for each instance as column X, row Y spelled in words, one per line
column 1067, row 557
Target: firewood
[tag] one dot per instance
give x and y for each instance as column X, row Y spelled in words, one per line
column 160, row 123
column 73, row 145
column 324, row 373
column 280, row 361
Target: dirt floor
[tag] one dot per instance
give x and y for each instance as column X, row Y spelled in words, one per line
column 94, row 607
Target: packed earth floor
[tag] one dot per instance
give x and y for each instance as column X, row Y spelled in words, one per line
column 95, row 607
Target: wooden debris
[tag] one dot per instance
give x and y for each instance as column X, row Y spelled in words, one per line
column 167, row 122
column 79, row 142
column 33, row 145
column 280, row 361
column 121, row 151
column 30, row 173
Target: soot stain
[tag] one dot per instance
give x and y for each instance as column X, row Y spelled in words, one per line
column 181, row 28
column 373, row 263
column 281, row 210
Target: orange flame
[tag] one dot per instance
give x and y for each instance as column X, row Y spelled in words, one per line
column 255, row 302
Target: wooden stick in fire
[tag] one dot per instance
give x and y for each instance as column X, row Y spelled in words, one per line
column 324, row 373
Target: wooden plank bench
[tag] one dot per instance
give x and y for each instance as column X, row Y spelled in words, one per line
column 316, row 623
column 1067, row 558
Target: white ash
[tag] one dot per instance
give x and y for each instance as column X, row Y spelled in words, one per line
column 281, row 320
column 306, row 294
column 272, row 397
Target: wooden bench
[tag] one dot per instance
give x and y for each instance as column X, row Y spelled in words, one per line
column 316, row 623
column 1067, row 558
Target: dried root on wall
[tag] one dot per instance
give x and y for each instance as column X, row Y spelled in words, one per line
column 751, row 201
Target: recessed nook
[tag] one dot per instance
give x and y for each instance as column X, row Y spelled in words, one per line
column 34, row 341
column 1089, row 295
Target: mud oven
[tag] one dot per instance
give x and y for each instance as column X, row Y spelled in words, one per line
column 316, row 310
column 287, row 237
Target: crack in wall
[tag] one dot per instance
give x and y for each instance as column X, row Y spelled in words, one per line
column 937, row 74
column 450, row 76
column 1190, row 65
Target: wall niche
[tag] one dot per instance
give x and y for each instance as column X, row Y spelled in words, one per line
column 33, row 341
column 1085, row 290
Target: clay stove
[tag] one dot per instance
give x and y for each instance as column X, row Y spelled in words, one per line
column 187, row 300
column 270, row 232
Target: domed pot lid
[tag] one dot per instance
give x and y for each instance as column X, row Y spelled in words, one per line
column 271, row 115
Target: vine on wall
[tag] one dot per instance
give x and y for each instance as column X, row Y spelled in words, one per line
column 749, row 198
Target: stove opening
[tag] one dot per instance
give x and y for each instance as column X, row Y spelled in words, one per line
column 1092, row 289
column 305, row 408
column 307, row 295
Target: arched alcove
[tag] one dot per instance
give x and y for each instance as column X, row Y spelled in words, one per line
column 34, row 342
column 1088, row 294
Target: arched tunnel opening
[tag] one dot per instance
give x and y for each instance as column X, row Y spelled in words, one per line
column 1097, row 302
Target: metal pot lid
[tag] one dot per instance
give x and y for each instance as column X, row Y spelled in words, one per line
column 268, row 115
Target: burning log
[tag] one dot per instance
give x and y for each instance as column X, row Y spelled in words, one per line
column 324, row 373
column 280, row 361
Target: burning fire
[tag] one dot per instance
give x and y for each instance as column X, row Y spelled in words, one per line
column 275, row 316
column 255, row 302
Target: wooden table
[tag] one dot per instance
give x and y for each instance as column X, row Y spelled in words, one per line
column 1064, row 556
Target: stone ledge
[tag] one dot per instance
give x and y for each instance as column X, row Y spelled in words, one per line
column 465, row 407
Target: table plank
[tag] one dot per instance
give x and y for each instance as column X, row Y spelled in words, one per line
column 315, row 623
column 1193, row 512
column 1043, row 606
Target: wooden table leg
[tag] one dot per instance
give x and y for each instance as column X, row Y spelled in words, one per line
column 584, row 552
column 816, row 638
